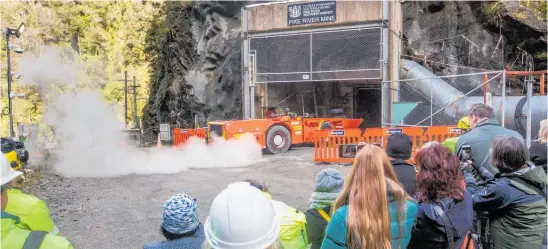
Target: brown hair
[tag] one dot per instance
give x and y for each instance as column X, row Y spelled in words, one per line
column 366, row 194
column 508, row 154
column 439, row 175
column 481, row 111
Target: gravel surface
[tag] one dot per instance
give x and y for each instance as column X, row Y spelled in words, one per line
column 125, row 212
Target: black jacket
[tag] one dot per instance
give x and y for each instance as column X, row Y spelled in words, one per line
column 315, row 227
column 537, row 153
column 429, row 229
column 406, row 175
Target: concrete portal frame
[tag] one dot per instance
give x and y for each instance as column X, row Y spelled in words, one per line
column 377, row 18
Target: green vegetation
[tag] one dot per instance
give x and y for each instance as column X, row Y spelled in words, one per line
column 109, row 36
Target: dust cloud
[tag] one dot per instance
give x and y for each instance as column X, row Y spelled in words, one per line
column 87, row 130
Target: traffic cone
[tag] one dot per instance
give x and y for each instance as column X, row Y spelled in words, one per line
column 159, row 144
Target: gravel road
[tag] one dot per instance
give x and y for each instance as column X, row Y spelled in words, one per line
column 125, row 212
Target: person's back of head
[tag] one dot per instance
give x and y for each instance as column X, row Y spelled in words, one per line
column 241, row 216
column 439, row 175
column 508, row 154
column 180, row 217
column 478, row 113
column 366, row 191
column 399, row 146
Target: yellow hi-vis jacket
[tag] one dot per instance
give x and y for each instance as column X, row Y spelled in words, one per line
column 451, row 144
column 33, row 213
column 13, row 237
column 292, row 225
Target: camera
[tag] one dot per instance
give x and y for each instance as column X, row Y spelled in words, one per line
column 465, row 153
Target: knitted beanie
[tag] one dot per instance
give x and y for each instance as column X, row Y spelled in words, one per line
column 399, row 146
column 329, row 181
column 180, row 214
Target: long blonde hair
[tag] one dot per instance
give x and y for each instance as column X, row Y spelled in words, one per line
column 543, row 132
column 366, row 194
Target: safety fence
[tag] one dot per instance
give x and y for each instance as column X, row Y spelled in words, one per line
column 429, row 100
column 328, row 142
column 181, row 136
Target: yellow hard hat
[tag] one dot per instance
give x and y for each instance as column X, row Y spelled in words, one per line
column 464, row 123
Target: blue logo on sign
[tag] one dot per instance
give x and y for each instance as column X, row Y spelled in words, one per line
column 392, row 131
column 337, row 133
column 185, row 131
column 454, row 130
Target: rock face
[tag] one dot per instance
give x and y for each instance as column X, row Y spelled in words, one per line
column 477, row 34
column 197, row 73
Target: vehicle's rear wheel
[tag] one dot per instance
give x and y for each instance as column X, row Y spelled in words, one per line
column 278, row 139
column 326, row 126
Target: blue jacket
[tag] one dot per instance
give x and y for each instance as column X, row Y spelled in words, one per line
column 194, row 241
column 335, row 235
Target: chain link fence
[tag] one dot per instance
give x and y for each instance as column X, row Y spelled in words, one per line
column 344, row 54
column 443, row 100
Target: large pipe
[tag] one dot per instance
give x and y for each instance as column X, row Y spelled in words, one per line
column 515, row 108
column 443, row 94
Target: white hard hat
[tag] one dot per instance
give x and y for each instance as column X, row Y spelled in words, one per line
column 8, row 173
column 241, row 217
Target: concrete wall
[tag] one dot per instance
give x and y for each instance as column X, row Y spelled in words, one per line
column 273, row 17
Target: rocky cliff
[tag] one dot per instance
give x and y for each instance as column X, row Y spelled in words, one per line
column 197, row 72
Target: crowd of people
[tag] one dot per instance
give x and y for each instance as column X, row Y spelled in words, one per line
column 484, row 189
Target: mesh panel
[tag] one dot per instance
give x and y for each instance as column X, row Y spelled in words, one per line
column 346, row 50
column 336, row 55
column 438, row 105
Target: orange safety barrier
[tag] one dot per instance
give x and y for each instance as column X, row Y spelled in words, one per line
column 181, row 136
column 327, row 142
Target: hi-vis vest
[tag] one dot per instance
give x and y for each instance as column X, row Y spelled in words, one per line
column 292, row 226
column 451, row 144
column 14, row 237
column 33, row 213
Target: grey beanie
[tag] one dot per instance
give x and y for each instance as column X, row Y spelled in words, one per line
column 329, row 181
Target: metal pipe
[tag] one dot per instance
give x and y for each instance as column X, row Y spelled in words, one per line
column 529, row 110
column 10, row 103
column 125, row 99
column 509, row 109
column 245, row 67
column 503, row 116
column 135, row 118
column 424, row 80
column 385, row 108
column 542, row 86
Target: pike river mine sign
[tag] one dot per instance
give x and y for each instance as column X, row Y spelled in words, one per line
column 308, row 13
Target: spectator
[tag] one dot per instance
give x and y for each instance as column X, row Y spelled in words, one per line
column 539, row 147
column 242, row 217
column 292, row 221
column 463, row 126
column 484, row 130
column 445, row 210
column 429, row 144
column 514, row 197
column 12, row 235
column 180, row 224
column 329, row 184
column 33, row 213
column 399, row 147
column 373, row 210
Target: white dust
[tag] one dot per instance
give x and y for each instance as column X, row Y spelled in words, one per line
column 87, row 130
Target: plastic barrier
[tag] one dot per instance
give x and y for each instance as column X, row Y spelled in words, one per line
column 327, row 142
column 181, row 136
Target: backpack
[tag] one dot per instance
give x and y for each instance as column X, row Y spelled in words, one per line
column 469, row 240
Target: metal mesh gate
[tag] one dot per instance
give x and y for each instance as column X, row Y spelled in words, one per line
column 346, row 54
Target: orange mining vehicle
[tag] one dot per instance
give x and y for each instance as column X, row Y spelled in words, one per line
column 277, row 134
